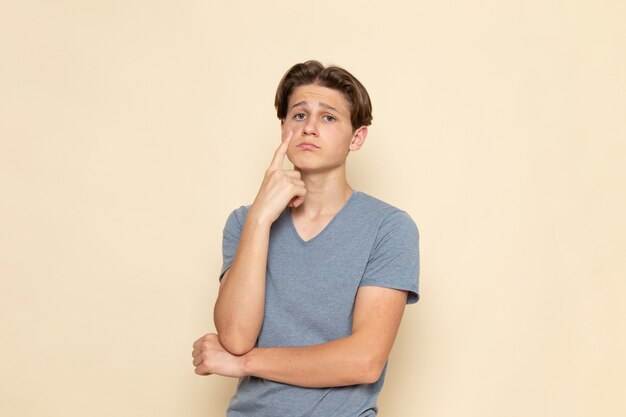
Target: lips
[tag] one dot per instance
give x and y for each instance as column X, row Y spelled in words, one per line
column 307, row 145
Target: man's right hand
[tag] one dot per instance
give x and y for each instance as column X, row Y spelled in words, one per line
column 280, row 188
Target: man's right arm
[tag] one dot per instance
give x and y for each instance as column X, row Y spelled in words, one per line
column 240, row 304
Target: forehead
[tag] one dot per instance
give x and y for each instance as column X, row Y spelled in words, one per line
column 313, row 94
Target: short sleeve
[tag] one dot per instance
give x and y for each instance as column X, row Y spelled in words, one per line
column 230, row 240
column 394, row 259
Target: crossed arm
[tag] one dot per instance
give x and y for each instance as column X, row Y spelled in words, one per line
column 356, row 359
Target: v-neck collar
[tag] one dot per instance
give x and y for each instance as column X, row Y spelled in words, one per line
column 323, row 231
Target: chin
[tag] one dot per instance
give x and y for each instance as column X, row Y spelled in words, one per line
column 299, row 162
column 307, row 167
column 313, row 165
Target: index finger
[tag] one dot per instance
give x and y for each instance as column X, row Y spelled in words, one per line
column 279, row 155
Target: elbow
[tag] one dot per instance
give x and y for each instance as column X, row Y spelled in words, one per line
column 236, row 345
column 235, row 339
column 372, row 369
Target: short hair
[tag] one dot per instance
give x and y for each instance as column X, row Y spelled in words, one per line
column 313, row 72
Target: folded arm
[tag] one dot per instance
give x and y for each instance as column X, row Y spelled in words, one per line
column 355, row 359
column 238, row 312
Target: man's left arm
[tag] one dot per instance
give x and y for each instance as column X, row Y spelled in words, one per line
column 355, row 359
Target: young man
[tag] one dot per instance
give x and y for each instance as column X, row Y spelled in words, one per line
column 315, row 275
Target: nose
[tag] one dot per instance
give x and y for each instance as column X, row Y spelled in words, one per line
column 310, row 128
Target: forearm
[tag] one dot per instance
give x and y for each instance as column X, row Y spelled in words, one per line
column 340, row 362
column 240, row 304
column 355, row 359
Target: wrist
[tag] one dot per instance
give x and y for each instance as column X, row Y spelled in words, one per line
column 247, row 363
column 257, row 219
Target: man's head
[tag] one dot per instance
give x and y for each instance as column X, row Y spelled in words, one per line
column 313, row 72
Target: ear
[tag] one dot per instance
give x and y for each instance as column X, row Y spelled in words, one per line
column 282, row 128
column 358, row 138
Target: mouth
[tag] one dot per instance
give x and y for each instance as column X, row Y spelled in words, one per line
column 307, row 145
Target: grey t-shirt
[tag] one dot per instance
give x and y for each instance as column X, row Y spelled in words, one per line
column 310, row 293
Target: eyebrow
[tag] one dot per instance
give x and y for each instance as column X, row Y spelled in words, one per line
column 321, row 103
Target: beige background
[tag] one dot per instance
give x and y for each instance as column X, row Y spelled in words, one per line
column 130, row 129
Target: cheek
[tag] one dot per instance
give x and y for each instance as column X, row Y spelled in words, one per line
column 290, row 126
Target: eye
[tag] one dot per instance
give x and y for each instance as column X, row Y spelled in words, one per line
column 299, row 116
column 329, row 118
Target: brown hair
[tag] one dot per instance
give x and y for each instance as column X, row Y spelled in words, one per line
column 313, row 72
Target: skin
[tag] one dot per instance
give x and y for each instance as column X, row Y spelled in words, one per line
column 317, row 136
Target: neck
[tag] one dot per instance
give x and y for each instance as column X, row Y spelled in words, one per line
column 326, row 194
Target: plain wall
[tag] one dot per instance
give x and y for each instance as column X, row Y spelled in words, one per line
column 130, row 129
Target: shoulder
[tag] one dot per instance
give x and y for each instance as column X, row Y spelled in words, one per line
column 236, row 219
column 387, row 215
column 241, row 212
